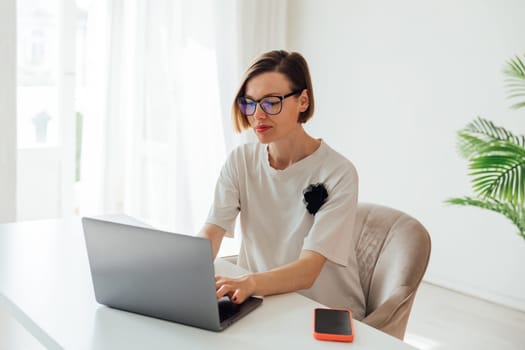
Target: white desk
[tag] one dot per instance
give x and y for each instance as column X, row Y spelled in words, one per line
column 45, row 283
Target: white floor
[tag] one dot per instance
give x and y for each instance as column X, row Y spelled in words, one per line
column 440, row 319
column 443, row 319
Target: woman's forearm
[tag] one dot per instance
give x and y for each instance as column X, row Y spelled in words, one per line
column 215, row 234
column 300, row 274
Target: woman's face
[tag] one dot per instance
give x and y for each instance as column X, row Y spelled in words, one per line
column 282, row 126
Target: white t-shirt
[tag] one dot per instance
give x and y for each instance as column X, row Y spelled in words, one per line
column 276, row 226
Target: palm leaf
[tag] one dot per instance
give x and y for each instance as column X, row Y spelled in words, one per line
column 480, row 135
column 496, row 160
column 515, row 82
column 469, row 144
column 515, row 213
column 499, row 172
column 486, row 130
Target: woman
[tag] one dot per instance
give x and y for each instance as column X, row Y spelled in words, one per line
column 296, row 196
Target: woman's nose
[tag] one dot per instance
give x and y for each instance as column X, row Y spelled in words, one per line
column 259, row 113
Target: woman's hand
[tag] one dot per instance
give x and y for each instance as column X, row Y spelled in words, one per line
column 299, row 274
column 237, row 289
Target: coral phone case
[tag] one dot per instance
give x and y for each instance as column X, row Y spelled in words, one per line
column 333, row 324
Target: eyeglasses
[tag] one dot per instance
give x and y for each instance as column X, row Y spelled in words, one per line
column 271, row 105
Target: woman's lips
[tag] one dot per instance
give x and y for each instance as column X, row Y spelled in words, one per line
column 261, row 128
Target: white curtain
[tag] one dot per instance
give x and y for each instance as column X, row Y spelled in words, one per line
column 262, row 27
column 161, row 78
column 8, row 137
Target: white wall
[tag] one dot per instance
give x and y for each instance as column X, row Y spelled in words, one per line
column 394, row 81
column 7, row 110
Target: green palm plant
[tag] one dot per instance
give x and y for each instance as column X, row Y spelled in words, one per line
column 496, row 158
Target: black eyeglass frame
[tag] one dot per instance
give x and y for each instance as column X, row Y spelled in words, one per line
column 258, row 102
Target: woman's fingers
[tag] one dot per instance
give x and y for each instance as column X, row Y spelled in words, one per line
column 237, row 289
column 234, row 292
column 237, row 297
column 223, row 290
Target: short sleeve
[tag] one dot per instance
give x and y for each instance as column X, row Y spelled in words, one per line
column 332, row 231
column 226, row 202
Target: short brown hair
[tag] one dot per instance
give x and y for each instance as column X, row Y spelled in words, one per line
column 290, row 64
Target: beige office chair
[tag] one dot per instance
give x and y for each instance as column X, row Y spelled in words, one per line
column 392, row 250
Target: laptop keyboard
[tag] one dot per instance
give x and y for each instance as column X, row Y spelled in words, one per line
column 227, row 308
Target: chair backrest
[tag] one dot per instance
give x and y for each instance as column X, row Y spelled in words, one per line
column 393, row 250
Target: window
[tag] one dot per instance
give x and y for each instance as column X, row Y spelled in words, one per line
column 38, row 63
column 49, row 34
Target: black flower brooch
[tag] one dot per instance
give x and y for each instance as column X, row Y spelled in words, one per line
column 314, row 196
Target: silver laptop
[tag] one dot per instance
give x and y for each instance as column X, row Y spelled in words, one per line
column 160, row 274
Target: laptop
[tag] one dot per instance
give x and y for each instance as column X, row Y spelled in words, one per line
column 160, row 274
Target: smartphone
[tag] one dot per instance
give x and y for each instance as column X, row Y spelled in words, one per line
column 333, row 324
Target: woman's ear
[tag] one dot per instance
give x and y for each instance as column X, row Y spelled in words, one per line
column 304, row 101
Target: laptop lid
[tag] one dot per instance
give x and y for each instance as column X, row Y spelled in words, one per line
column 154, row 273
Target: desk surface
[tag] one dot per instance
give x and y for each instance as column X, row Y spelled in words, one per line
column 46, row 285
